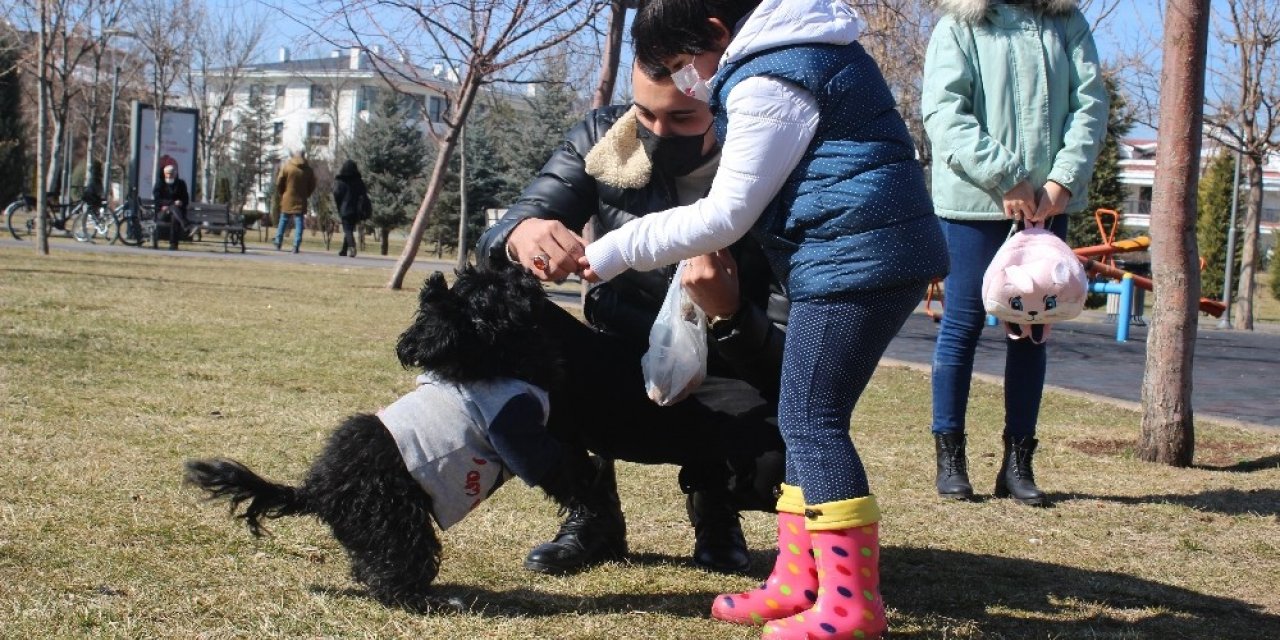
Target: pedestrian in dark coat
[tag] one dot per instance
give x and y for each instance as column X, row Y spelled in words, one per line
column 352, row 200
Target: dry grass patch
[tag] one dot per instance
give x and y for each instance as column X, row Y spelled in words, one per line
column 117, row 367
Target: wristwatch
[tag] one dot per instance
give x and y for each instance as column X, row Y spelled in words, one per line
column 721, row 326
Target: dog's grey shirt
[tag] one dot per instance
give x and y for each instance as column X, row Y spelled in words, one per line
column 462, row 441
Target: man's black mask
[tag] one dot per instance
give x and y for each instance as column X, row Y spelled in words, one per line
column 673, row 155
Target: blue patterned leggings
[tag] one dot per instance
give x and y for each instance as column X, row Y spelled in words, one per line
column 833, row 346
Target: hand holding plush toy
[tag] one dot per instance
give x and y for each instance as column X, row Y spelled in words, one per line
column 1034, row 279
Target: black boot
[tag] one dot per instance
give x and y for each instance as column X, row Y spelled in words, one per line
column 718, row 541
column 593, row 532
column 1016, row 479
column 953, row 472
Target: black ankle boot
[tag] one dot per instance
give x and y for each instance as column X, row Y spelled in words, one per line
column 1016, row 479
column 593, row 532
column 718, row 541
column 953, row 472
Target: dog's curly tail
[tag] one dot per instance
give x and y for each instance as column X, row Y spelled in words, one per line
column 223, row 478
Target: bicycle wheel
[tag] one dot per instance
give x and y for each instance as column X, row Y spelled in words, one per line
column 92, row 222
column 108, row 224
column 21, row 218
column 128, row 225
column 82, row 228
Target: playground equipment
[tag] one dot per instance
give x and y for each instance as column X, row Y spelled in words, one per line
column 1099, row 261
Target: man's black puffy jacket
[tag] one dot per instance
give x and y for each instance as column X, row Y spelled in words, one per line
column 627, row 305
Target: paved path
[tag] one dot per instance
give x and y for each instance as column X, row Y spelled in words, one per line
column 1236, row 377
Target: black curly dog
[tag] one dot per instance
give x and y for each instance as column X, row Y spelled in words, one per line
column 485, row 327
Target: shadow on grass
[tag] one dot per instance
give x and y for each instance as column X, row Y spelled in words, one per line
column 1246, row 466
column 1262, row 502
column 1016, row 598
column 525, row 602
column 931, row 591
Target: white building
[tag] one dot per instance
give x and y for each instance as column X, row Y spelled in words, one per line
column 318, row 101
column 1138, row 170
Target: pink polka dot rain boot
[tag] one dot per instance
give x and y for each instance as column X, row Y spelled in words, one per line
column 793, row 585
column 845, row 536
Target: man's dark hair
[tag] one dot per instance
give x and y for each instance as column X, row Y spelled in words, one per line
column 666, row 28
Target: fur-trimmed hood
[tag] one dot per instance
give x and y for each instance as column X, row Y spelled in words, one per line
column 618, row 159
column 974, row 10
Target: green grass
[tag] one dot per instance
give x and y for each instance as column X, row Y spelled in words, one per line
column 114, row 368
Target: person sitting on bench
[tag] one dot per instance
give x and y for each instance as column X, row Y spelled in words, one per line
column 171, row 194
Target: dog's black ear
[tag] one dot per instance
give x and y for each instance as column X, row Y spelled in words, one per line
column 435, row 325
column 434, row 289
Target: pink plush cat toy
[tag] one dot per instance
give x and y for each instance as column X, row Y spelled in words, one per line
column 1034, row 279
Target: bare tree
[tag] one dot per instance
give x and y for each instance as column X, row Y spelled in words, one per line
column 479, row 42
column 164, row 29
column 612, row 50
column 1168, row 427
column 1243, row 115
column 43, row 81
column 69, row 39
column 897, row 36
column 221, row 53
column 107, row 17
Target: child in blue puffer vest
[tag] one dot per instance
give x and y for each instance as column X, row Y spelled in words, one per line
column 818, row 165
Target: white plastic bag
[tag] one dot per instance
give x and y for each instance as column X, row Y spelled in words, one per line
column 676, row 361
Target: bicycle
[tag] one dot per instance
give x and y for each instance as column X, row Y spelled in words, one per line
column 20, row 215
column 96, row 219
column 135, row 220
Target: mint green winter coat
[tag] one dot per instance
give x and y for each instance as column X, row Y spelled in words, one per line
column 1012, row 91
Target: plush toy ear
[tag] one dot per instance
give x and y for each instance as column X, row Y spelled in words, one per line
column 1061, row 273
column 1019, row 278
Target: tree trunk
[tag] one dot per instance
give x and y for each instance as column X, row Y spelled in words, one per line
column 470, row 85
column 1250, row 256
column 612, row 53
column 42, row 133
column 1168, row 427
column 384, row 240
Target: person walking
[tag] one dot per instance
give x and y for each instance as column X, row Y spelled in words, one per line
column 819, row 167
column 1015, row 108
column 293, row 189
column 352, row 200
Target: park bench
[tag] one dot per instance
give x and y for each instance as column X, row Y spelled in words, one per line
column 207, row 219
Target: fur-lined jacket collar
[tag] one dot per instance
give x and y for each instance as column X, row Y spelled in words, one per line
column 974, row 10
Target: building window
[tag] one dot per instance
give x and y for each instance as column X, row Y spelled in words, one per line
column 321, row 97
column 279, row 96
column 412, row 106
column 367, row 98
column 277, row 133
column 255, row 91
column 318, row 133
column 226, row 126
column 435, row 109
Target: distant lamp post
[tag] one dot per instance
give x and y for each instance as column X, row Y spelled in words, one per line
column 111, row 117
column 1225, row 323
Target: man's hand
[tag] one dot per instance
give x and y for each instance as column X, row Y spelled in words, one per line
column 547, row 248
column 712, row 283
column 1020, row 201
column 1051, row 200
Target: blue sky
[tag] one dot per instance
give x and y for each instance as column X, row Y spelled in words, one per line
column 1132, row 29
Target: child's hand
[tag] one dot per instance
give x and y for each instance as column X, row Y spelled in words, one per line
column 1051, row 200
column 584, row 267
column 1020, row 201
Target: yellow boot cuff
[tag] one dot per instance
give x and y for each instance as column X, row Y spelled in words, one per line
column 791, row 500
column 843, row 514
